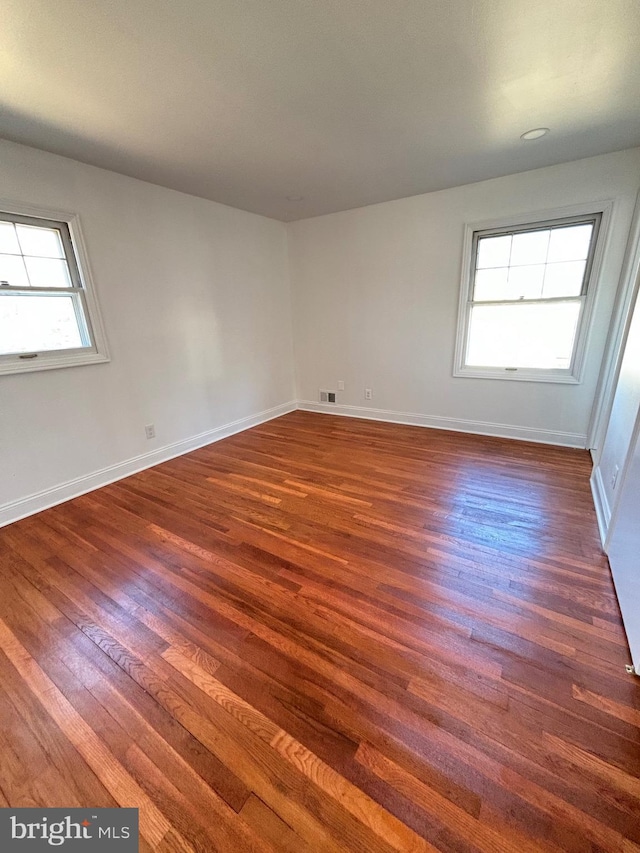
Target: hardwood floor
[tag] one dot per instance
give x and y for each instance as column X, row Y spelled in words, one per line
column 326, row 634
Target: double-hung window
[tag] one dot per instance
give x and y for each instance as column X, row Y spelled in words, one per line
column 48, row 314
column 526, row 293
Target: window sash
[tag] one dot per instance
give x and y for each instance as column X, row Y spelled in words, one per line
column 542, row 300
column 594, row 219
column 79, row 304
column 541, row 225
column 77, row 292
column 69, row 228
column 513, row 368
column 584, row 298
column 65, row 236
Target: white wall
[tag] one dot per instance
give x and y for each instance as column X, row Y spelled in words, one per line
column 618, row 508
column 623, row 545
column 616, row 449
column 196, row 303
column 375, row 294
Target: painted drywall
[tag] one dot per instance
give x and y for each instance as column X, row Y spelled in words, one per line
column 618, row 506
column 623, row 545
column 375, row 302
column 196, row 304
column 616, row 449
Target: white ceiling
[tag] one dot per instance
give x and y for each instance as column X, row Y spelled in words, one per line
column 343, row 102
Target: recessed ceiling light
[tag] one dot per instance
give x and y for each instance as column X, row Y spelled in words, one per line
column 536, row 133
column 294, row 198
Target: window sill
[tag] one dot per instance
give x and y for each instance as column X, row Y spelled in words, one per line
column 47, row 361
column 521, row 375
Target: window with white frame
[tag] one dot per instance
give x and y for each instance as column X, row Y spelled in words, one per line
column 526, row 299
column 48, row 313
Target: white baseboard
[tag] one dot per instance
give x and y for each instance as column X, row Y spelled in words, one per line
column 23, row 507
column 603, row 510
column 540, row 436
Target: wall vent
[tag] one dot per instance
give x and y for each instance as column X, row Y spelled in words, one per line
column 327, row 396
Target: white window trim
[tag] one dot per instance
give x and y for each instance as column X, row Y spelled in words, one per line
column 56, row 359
column 574, row 374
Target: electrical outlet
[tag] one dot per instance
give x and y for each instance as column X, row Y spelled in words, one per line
column 614, row 477
column 340, row 384
column 150, row 431
column 368, row 393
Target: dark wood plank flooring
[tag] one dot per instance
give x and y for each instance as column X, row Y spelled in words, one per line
column 326, row 634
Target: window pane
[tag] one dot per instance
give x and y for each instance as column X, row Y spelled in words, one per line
column 43, row 242
column 494, row 251
column 564, row 279
column 37, row 323
column 521, row 335
column 12, row 271
column 529, row 248
column 8, row 239
column 491, row 284
column 571, row 243
column 526, row 282
column 48, row 272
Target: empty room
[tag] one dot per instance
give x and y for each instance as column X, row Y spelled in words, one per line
column 320, row 426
